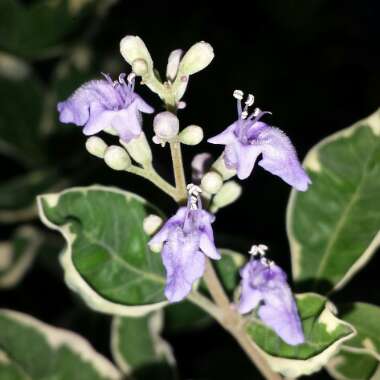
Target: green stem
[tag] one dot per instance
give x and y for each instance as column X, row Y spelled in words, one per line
column 179, row 174
column 150, row 174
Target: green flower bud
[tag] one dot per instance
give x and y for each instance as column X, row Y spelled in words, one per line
column 228, row 194
column 133, row 48
column 151, row 224
column 117, row 158
column 211, row 182
column 96, row 146
column 191, row 135
column 196, row 58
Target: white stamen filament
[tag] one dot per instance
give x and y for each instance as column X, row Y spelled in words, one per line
column 131, row 77
column 193, row 192
column 250, row 100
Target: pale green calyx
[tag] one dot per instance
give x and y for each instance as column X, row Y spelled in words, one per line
column 117, row 158
column 191, row 135
column 139, row 149
column 96, row 146
column 166, row 126
column 228, row 194
column 212, row 182
column 151, row 224
column 196, row 58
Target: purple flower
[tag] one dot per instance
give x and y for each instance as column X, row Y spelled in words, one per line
column 264, row 285
column 186, row 237
column 101, row 104
column 248, row 137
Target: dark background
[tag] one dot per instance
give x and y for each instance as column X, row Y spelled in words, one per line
column 314, row 64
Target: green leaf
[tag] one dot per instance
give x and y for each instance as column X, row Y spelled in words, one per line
column 33, row 350
column 365, row 318
column 347, row 365
column 18, row 195
column 17, row 255
column 107, row 260
column 139, row 350
column 41, row 28
column 184, row 315
column 324, row 334
column 333, row 228
column 359, row 358
column 21, row 105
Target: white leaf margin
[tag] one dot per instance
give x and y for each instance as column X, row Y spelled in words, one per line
column 73, row 278
column 312, row 163
column 13, row 272
column 57, row 337
column 161, row 347
column 297, row 367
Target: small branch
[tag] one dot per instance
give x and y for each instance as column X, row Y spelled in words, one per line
column 179, row 174
column 233, row 322
column 205, row 304
column 151, row 175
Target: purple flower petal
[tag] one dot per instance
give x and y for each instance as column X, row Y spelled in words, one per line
column 207, row 246
column 99, row 104
column 280, row 158
column 226, row 137
column 246, row 158
column 265, row 286
column 184, row 265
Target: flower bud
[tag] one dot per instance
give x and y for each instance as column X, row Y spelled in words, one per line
column 140, row 67
column 117, row 158
column 151, row 224
column 139, row 149
column 200, row 164
column 196, row 58
column 173, row 64
column 212, row 182
column 133, row 48
column 191, row 135
column 228, row 194
column 220, row 167
column 166, row 125
column 96, row 146
column 156, row 248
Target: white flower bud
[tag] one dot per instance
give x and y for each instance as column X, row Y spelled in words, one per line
column 133, row 48
column 191, row 135
column 166, row 126
column 96, row 146
column 117, row 158
column 151, row 224
column 173, row 64
column 212, row 182
column 139, row 149
column 140, row 67
column 228, row 194
column 196, row 58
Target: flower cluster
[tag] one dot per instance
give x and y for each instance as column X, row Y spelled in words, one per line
column 186, row 240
